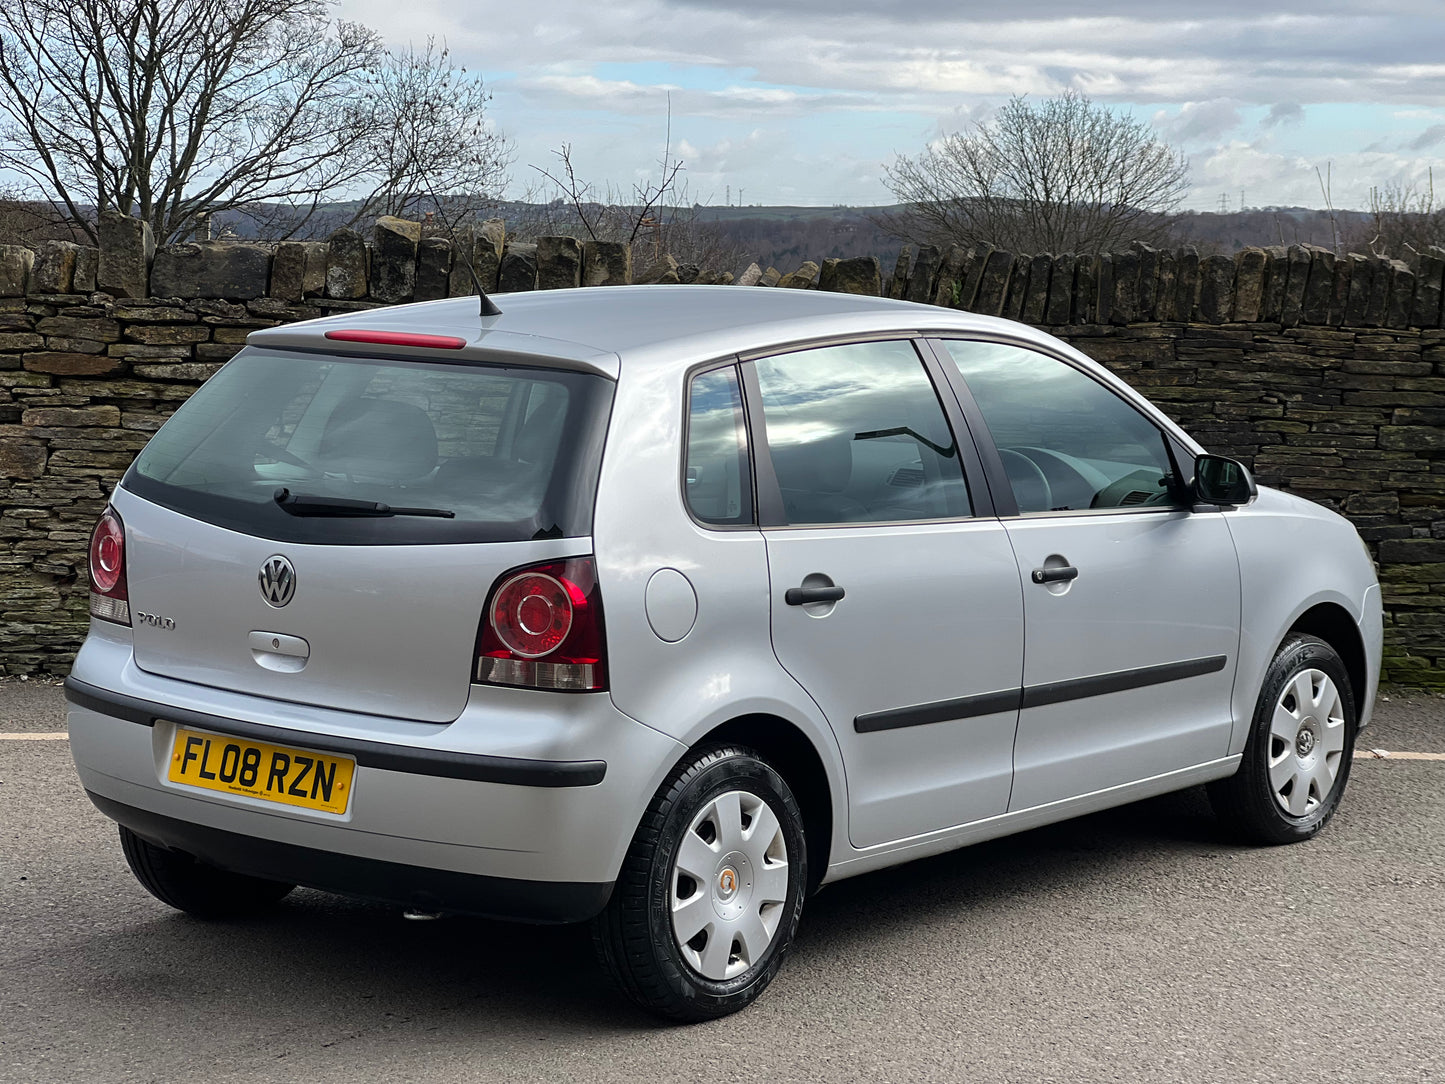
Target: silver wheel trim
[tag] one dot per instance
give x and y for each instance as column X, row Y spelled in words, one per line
column 1306, row 742
column 728, row 885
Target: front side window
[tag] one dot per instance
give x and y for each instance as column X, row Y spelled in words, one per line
column 1068, row 443
column 857, row 435
column 719, row 486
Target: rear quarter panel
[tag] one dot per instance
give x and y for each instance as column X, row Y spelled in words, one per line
column 1294, row 555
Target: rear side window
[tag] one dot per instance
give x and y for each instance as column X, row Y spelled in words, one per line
column 512, row 453
column 718, row 480
column 857, row 435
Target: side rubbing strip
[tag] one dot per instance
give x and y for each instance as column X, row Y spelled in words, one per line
column 1036, row 696
column 941, row 711
column 1057, row 692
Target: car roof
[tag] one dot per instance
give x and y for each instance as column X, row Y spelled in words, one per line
column 606, row 328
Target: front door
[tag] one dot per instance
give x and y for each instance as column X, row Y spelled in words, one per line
column 1131, row 599
column 892, row 605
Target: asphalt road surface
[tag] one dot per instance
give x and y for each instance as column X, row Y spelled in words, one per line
column 1134, row 945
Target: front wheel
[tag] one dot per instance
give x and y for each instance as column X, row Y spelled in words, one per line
column 1301, row 744
column 711, row 890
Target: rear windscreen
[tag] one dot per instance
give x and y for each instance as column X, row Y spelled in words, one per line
column 511, row 453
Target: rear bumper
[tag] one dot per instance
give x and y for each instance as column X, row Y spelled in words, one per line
column 522, row 792
column 388, row 882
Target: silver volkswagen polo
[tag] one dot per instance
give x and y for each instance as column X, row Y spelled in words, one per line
column 662, row 607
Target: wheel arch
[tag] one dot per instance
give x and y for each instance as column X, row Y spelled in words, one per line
column 1333, row 624
column 793, row 755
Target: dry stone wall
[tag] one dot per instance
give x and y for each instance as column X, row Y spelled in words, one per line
column 1326, row 374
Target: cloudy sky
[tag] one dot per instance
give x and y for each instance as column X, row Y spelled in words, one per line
column 777, row 102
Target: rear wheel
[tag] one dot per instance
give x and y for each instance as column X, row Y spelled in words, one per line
column 194, row 887
column 711, row 890
column 1301, row 744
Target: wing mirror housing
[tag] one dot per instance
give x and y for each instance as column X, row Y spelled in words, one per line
column 1222, row 481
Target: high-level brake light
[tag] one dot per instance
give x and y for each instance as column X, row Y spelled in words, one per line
column 397, row 338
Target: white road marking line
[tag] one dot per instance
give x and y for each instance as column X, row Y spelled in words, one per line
column 37, row 735
column 1388, row 754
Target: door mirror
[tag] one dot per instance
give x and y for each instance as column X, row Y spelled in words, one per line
column 1218, row 480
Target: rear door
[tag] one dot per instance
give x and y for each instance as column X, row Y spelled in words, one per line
column 895, row 597
column 1131, row 600
column 243, row 576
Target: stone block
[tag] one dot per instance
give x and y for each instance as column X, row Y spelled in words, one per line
column 559, row 263
column 1249, row 284
column 1216, row 289
column 1413, row 438
column 217, row 351
column 127, row 247
column 193, row 371
column 168, row 334
column 898, row 284
column 920, row 283
column 1378, row 300
column 69, row 364
column 518, row 271
column 20, row 459
column 54, row 271
column 993, row 283
column 1319, row 287
column 948, row 283
column 1036, row 294
column 1361, row 280
column 1018, row 283
column 87, row 267
column 804, row 278
column 1165, row 294
column 74, row 327
column 1061, row 290
column 58, row 417
column 771, row 277
column 1086, row 290
column 484, row 244
column 433, row 268
column 856, row 275
column 394, row 244
column 750, row 277
column 1402, row 295
column 346, row 266
column 1276, row 278
column 1292, row 307
column 1425, row 312
column 1124, row 308
column 16, row 264
column 1103, row 304
column 973, row 265
column 211, row 269
column 21, row 340
column 298, row 271
column 609, row 263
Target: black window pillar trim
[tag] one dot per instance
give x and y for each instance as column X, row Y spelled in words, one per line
column 1000, row 490
column 771, row 512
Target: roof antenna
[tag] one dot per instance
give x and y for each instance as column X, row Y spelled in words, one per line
column 487, row 306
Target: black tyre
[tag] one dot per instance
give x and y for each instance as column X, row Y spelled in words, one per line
column 1301, row 744
column 711, row 890
column 194, row 887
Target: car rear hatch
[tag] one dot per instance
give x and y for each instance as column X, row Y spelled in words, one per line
column 325, row 529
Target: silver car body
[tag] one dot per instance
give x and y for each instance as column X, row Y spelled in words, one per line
column 698, row 636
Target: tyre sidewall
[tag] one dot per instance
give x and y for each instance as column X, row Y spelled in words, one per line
column 738, row 771
column 1295, row 654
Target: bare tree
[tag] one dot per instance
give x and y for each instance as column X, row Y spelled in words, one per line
column 166, row 109
column 1063, row 176
column 428, row 136
column 1403, row 221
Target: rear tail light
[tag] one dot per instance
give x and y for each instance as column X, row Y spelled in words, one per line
column 109, row 599
column 543, row 629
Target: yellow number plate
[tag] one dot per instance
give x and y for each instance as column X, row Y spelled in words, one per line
column 275, row 773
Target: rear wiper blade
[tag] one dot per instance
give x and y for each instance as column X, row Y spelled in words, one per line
column 308, row 504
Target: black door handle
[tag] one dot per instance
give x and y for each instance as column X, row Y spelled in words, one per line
column 801, row 596
column 1055, row 575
